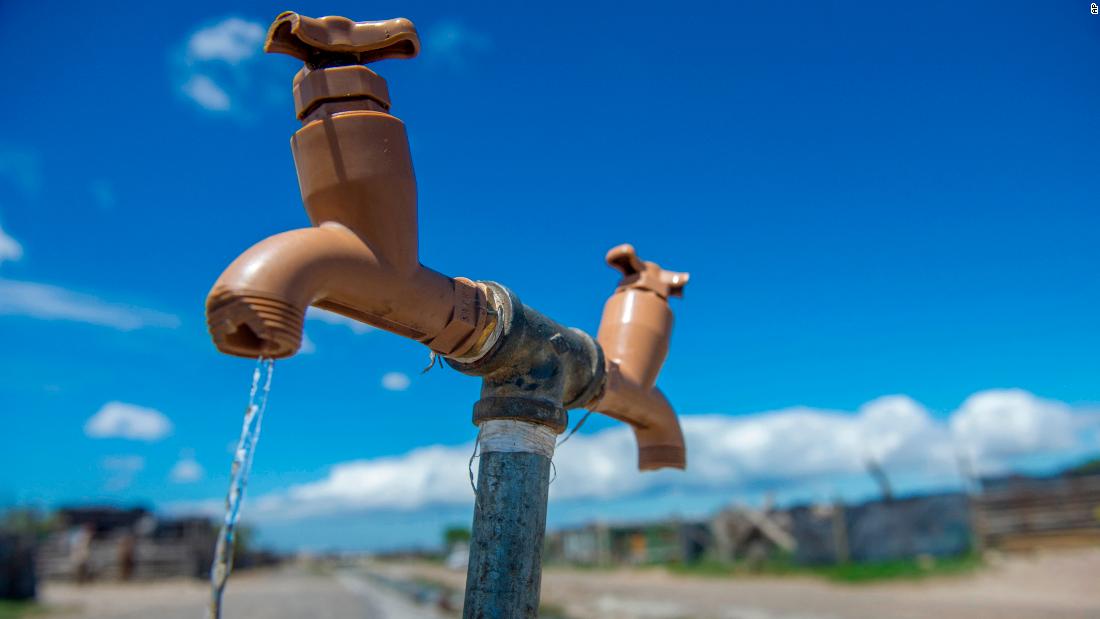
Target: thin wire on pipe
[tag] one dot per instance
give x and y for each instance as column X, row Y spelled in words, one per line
column 553, row 467
column 432, row 358
column 477, row 443
column 575, row 428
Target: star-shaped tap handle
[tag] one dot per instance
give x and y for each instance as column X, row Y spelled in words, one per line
column 638, row 273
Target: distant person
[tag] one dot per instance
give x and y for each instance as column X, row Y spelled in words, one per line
column 126, row 559
column 80, row 552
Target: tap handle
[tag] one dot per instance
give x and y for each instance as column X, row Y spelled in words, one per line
column 336, row 41
column 638, row 273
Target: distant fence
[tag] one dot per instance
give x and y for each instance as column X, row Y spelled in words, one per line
column 151, row 559
column 935, row 525
column 1023, row 513
column 1011, row 514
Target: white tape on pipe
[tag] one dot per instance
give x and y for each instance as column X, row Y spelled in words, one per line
column 509, row 435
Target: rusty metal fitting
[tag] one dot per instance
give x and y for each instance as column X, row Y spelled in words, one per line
column 521, row 409
column 535, row 369
column 347, row 84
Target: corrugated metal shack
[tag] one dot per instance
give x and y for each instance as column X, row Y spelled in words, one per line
column 1011, row 513
column 935, row 525
column 638, row 543
column 1022, row 513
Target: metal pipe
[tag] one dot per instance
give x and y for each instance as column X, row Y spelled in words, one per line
column 505, row 571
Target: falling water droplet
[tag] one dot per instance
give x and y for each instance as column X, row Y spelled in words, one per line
column 242, row 464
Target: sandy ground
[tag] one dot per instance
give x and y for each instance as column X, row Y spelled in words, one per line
column 1065, row 585
column 282, row 594
column 1055, row 586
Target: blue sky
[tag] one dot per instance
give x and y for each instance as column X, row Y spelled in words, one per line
column 873, row 199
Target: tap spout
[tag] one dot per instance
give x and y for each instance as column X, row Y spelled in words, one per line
column 649, row 414
column 257, row 306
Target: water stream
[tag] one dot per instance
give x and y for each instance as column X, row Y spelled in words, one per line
column 242, row 464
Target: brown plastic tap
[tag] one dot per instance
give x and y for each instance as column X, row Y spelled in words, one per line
column 634, row 334
column 361, row 258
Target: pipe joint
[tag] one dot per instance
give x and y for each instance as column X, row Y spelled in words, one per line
column 534, row 369
column 519, row 408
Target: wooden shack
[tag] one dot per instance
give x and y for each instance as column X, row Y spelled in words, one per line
column 95, row 543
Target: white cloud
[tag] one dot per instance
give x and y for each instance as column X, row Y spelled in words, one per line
column 219, row 68
column 793, row 447
column 10, row 249
column 186, row 470
column 332, row 318
column 128, row 421
column 206, row 93
column 22, row 298
column 395, row 381
column 435, row 474
column 230, row 40
column 1001, row 424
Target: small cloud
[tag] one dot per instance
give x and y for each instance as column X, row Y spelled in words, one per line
column 187, row 470
column 128, row 421
column 121, row 471
column 332, row 318
column 10, row 249
column 230, row 40
column 103, row 194
column 22, row 298
column 220, row 68
column 395, row 381
column 452, row 44
column 206, row 93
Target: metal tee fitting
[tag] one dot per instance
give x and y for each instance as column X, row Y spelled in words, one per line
column 535, row 369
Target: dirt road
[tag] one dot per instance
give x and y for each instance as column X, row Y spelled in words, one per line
column 1065, row 585
column 284, row 594
column 1058, row 586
